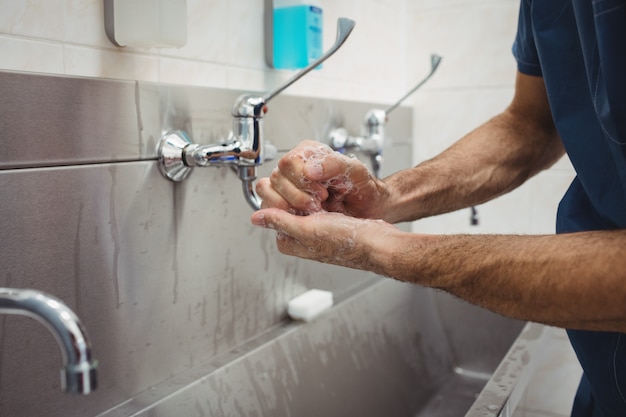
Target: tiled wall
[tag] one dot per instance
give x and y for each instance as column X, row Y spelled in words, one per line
column 224, row 48
column 386, row 54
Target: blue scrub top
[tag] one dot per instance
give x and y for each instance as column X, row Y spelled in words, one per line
column 579, row 48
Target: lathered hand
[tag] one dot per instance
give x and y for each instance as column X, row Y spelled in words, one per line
column 312, row 178
column 331, row 238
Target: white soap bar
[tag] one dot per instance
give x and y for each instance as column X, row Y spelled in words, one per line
column 309, row 305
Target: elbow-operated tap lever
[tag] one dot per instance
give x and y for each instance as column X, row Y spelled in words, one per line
column 373, row 138
column 79, row 369
column 435, row 60
column 344, row 28
column 245, row 148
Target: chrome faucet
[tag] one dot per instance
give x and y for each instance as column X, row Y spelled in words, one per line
column 245, row 148
column 78, row 374
column 372, row 140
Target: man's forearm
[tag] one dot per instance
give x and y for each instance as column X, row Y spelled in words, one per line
column 492, row 160
column 573, row 280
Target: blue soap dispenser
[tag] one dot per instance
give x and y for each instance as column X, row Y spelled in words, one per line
column 294, row 31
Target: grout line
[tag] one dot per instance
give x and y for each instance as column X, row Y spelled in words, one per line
column 458, row 7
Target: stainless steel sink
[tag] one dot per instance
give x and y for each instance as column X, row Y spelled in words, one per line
column 389, row 349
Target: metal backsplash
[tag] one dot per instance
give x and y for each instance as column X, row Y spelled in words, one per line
column 166, row 277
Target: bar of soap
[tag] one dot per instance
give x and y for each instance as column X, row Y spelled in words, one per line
column 309, row 305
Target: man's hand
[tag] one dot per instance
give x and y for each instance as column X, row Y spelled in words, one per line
column 331, row 238
column 312, row 177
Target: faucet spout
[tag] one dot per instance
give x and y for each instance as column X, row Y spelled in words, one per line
column 78, row 374
column 245, row 149
column 247, row 175
column 373, row 139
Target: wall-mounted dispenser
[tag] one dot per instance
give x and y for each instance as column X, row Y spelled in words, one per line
column 372, row 140
column 245, row 149
column 293, row 33
column 146, row 23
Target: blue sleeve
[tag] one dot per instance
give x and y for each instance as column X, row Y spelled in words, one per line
column 524, row 48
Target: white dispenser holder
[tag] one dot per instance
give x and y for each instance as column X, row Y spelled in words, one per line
column 146, row 23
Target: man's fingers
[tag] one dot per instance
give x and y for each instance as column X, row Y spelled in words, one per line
column 276, row 219
column 271, row 198
column 313, row 161
column 312, row 177
column 283, row 194
column 295, row 236
column 301, row 194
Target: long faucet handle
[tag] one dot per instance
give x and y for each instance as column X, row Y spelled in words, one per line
column 435, row 60
column 344, row 28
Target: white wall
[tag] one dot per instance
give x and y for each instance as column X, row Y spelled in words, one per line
column 387, row 53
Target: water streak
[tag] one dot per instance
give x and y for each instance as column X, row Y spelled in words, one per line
column 176, row 216
column 2, row 332
column 114, row 235
column 77, row 247
column 139, row 120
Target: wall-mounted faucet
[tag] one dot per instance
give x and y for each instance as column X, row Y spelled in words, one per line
column 373, row 138
column 245, row 149
column 78, row 374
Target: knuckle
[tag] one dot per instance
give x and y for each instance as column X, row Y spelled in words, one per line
column 275, row 175
column 261, row 185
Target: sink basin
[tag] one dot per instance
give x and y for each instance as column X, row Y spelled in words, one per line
column 385, row 349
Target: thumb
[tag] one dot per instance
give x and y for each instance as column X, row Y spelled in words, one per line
column 276, row 219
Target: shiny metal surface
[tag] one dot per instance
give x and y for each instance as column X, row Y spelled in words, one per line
column 503, row 391
column 184, row 300
column 165, row 276
column 171, row 154
column 78, row 375
column 78, row 121
column 378, row 352
column 247, row 175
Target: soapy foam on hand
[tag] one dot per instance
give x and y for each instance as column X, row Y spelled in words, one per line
column 340, row 185
column 315, row 156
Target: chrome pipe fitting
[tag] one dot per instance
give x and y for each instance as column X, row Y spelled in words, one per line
column 372, row 140
column 245, row 149
column 78, row 374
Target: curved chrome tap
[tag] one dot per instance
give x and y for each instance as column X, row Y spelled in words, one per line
column 245, row 149
column 373, row 138
column 79, row 369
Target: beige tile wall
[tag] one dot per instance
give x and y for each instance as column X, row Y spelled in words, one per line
column 224, row 48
